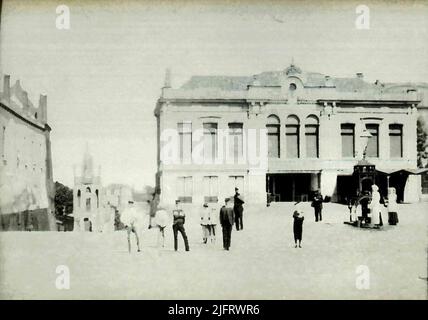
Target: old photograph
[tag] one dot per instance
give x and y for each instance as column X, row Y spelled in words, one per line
column 213, row 150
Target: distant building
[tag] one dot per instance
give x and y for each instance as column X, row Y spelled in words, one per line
column 307, row 128
column 118, row 195
column 26, row 185
column 91, row 211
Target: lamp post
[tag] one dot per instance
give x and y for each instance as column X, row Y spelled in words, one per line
column 365, row 136
column 364, row 170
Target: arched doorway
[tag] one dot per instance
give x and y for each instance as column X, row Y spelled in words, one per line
column 87, row 224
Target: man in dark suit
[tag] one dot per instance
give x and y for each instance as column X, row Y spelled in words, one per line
column 178, row 226
column 227, row 218
column 317, row 205
column 238, row 209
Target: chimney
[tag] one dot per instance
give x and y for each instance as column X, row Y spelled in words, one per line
column 167, row 81
column 360, row 75
column 43, row 108
column 256, row 81
column 6, row 88
column 25, row 102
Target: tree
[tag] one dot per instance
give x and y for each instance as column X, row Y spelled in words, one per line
column 421, row 141
column 63, row 200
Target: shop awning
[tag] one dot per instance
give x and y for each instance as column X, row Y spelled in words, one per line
column 408, row 171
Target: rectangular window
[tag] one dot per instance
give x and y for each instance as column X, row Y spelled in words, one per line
column 210, row 141
column 273, row 140
column 373, row 144
column 236, row 141
column 396, row 140
column 185, row 141
column 311, row 136
column 292, row 140
column 210, row 188
column 347, row 131
column 185, row 189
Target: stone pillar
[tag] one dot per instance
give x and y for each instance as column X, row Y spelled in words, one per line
column 302, row 139
column 384, row 144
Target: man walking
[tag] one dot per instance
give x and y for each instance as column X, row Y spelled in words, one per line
column 226, row 221
column 238, row 209
column 178, row 225
column 317, row 205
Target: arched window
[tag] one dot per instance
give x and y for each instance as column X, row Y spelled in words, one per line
column 292, row 136
column 236, row 141
column 88, row 190
column 273, row 132
column 311, row 136
column 210, row 141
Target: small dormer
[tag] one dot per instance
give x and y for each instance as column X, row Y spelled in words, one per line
column 292, row 82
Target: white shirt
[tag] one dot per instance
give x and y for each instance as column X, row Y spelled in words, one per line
column 129, row 217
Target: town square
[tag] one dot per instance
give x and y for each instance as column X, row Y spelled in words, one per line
column 213, row 150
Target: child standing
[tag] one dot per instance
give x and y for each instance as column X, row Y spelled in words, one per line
column 298, row 227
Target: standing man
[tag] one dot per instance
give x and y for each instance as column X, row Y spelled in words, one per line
column 131, row 219
column 178, row 225
column 238, row 209
column 317, row 205
column 226, row 220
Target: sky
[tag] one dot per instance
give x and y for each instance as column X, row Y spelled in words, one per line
column 104, row 75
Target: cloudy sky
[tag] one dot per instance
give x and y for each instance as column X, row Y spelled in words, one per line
column 103, row 75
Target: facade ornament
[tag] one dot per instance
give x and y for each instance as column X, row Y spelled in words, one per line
column 292, row 69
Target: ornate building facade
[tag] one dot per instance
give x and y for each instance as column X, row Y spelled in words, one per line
column 284, row 134
column 26, row 183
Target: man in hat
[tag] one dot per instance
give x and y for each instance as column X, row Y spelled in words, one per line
column 178, row 225
column 317, row 205
column 226, row 220
column 238, row 209
column 131, row 219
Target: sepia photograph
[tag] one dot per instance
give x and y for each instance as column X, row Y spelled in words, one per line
column 213, row 150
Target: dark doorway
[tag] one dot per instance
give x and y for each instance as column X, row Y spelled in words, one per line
column 289, row 187
column 398, row 181
column 346, row 188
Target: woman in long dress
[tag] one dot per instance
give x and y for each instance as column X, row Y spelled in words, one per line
column 375, row 206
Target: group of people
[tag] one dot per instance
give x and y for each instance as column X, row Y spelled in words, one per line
column 372, row 207
column 228, row 216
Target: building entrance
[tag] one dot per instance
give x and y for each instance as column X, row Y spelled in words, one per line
column 290, row 187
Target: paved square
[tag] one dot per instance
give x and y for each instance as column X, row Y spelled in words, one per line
column 262, row 263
